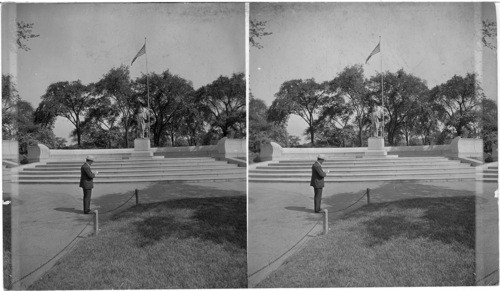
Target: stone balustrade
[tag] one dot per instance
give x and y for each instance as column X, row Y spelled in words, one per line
column 458, row 148
column 225, row 148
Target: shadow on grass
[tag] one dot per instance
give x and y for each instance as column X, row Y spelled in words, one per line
column 445, row 219
column 448, row 214
column 69, row 210
column 300, row 209
column 7, row 247
column 218, row 219
column 185, row 211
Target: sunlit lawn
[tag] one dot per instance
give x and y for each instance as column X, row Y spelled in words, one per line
column 182, row 243
column 413, row 242
column 7, row 255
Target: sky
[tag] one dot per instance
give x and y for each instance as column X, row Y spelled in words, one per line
column 433, row 41
column 197, row 41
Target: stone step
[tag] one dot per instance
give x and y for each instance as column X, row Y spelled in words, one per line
column 135, row 162
column 369, row 159
column 366, row 168
column 132, row 165
column 208, row 178
column 381, row 174
column 214, row 165
column 37, row 171
column 131, row 174
column 153, row 159
column 368, row 163
column 362, row 170
column 464, row 177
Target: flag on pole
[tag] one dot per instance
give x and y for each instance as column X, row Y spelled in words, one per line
column 376, row 50
column 140, row 53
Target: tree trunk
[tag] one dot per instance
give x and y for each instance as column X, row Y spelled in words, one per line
column 126, row 132
column 360, row 136
column 79, row 137
column 156, row 138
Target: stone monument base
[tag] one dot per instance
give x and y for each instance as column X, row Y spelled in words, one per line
column 142, row 149
column 376, row 147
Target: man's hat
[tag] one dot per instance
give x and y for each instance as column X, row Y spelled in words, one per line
column 321, row 157
column 90, row 158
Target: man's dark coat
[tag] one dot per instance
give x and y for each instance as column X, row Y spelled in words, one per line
column 318, row 175
column 86, row 177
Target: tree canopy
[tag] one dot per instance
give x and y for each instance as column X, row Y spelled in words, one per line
column 337, row 111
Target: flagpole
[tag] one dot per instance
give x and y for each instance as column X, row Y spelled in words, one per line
column 147, row 85
column 382, row 83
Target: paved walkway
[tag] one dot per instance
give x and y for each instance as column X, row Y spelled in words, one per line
column 281, row 218
column 46, row 218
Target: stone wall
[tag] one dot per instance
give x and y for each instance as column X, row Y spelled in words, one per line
column 459, row 147
column 226, row 148
column 10, row 150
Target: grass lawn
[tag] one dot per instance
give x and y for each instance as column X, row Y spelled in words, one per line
column 7, row 263
column 181, row 243
column 413, row 242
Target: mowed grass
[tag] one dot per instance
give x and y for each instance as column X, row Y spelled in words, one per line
column 7, row 254
column 181, row 243
column 414, row 242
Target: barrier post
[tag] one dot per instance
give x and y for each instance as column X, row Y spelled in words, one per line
column 136, row 197
column 368, row 195
column 325, row 221
column 96, row 222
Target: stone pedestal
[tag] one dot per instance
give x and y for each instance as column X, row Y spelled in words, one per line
column 376, row 147
column 142, row 149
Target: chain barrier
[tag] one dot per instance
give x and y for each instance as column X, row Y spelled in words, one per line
column 70, row 243
column 53, row 257
column 484, row 278
column 351, row 204
column 119, row 206
column 286, row 251
column 317, row 222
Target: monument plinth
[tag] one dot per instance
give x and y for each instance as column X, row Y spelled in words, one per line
column 142, row 148
column 376, row 147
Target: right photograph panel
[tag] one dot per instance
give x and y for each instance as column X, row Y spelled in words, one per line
column 372, row 145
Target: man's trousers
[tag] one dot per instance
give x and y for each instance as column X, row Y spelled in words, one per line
column 317, row 199
column 87, row 193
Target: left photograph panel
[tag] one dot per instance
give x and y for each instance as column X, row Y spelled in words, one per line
column 124, row 146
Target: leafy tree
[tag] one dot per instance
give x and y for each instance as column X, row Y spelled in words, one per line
column 260, row 129
column 71, row 100
column 223, row 104
column 489, row 34
column 30, row 133
column 24, row 33
column 402, row 93
column 489, row 124
column 304, row 98
column 117, row 86
column 351, row 86
column 426, row 121
column 193, row 124
column 458, row 102
column 168, row 97
column 257, row 31
column 10, row 98
column 101, row 128
column 293, row 141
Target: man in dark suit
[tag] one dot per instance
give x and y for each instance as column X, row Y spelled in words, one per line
column 87, row 183
column 318, row 182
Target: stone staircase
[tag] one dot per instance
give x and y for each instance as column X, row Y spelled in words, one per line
column 191, row 169
column 488, row 174
column 357, row 169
